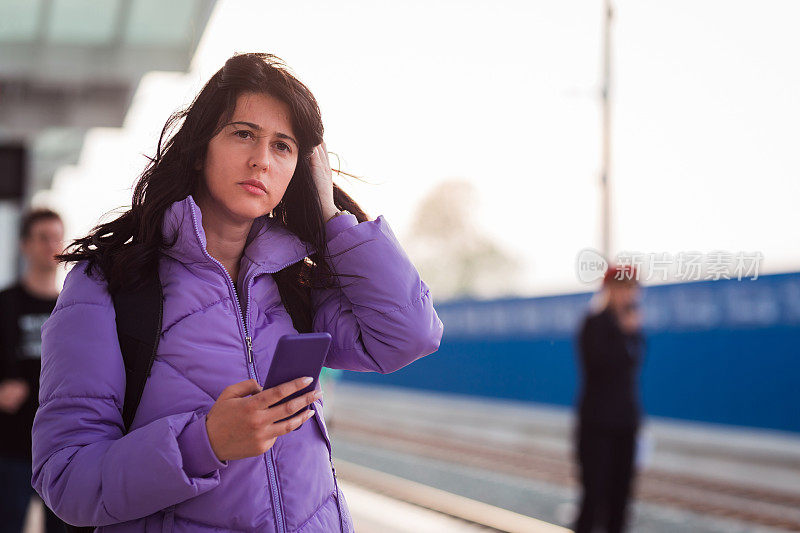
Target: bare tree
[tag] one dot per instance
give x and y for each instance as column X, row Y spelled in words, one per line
column 455, row 257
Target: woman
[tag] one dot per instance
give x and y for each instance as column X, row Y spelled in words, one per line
column 611, row 347
column 241, row 190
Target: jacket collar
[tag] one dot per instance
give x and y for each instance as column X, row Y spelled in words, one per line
column 270, row 247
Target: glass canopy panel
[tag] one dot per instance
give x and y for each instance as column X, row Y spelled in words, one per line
column 160, row 23
column 19, row 20
column 83, row 22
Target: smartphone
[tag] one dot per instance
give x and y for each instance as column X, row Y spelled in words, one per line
column 297, row 356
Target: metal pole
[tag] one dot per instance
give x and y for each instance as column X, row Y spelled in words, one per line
column 606, row 154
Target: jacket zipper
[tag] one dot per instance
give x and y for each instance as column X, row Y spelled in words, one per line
column 251, row 369
column 272, row 467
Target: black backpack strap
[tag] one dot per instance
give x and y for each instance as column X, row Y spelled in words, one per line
column 139, row 315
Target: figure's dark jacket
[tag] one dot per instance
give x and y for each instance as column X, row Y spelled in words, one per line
column 610, row 361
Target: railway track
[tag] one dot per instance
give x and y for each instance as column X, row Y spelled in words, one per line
column 710, row 497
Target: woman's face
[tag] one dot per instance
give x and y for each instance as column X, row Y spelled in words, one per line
column 257, row 146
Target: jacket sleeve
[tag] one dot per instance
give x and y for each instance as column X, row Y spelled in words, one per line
column 380, row 314
column 84, row 467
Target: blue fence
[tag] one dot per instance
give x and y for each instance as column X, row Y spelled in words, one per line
column 724, row 351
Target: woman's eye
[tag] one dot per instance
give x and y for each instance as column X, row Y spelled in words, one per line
column 243, row 134
column 283, row 147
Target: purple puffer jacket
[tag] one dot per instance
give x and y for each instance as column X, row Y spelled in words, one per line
column 163, row 475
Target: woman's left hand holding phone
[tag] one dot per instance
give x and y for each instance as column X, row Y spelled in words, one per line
column 242, row 424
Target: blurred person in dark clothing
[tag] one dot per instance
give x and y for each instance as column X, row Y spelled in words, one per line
column 611, row 347
column 24, row 307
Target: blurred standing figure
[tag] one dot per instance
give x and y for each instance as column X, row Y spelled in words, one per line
column 23, row 309
column 611, row 347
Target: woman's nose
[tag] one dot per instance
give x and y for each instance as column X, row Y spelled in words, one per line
column 260, row 160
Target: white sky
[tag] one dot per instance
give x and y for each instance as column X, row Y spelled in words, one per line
column 706, row 119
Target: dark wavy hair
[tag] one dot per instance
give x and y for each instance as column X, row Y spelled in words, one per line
column 127, row 249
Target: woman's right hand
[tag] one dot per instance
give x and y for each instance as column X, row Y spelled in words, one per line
column 241, row 423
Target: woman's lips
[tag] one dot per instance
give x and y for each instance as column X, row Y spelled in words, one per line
column 253, row 189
